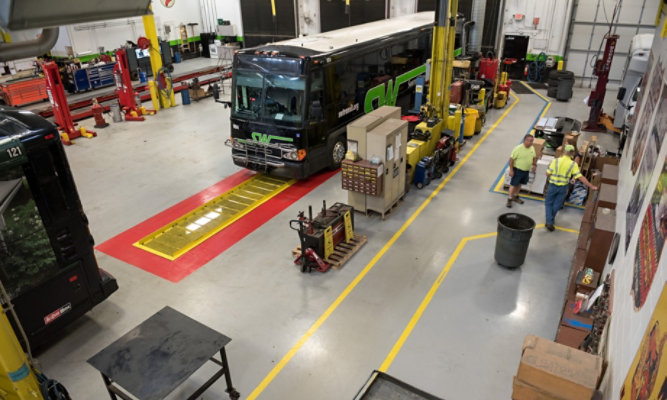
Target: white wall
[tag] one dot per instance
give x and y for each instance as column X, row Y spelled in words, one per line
column 402, row 7
column 590, row 24
column 628, row 322
column 309, row 17
column 550, row 34
column 86, row 38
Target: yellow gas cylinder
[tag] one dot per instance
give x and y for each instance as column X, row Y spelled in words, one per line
column 560, row 65
column 469, row 123
column 454, row 122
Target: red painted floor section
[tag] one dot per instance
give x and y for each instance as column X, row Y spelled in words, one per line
column 121, row 246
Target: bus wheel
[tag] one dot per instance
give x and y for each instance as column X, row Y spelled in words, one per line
column 337, row 153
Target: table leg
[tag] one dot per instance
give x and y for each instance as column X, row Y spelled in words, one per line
column 107, row 385
column 233, row 394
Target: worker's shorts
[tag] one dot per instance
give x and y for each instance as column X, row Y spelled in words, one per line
column 520, row 177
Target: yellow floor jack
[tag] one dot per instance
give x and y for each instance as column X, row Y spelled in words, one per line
column 20, row 378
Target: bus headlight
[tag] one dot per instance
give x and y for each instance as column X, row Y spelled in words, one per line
column 295, row 155
column 291, row 155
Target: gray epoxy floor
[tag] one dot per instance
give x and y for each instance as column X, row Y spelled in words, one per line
column 467, row 343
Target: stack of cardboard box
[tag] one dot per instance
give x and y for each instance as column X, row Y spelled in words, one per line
column 551, row 371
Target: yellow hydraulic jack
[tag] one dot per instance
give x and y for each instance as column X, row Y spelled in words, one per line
column 436, row 110
column 17, row 380
column 161, row 97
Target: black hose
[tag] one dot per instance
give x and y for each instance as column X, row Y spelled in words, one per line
column 536, row 68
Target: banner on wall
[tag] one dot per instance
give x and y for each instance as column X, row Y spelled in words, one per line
column 647, row 377
column 651, row 241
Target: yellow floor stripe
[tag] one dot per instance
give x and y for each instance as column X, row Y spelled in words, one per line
column 182, row 235
column 313, row 328
column 432, row 291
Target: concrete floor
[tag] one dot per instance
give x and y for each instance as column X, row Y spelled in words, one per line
column 467, row 343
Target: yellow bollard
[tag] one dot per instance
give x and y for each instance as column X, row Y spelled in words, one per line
column 154, row 95
column 560, row 65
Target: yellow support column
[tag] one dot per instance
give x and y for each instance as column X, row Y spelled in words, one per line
column 154, row 51
column 17, row 381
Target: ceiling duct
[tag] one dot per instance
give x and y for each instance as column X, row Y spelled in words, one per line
column 28, row 14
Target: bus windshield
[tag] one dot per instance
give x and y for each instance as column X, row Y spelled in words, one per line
column 271, row 98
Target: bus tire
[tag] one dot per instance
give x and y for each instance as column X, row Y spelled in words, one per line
column 337, row 153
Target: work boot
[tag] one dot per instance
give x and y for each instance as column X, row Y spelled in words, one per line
column 509, row 203
column 551, row 228
column 518, row 199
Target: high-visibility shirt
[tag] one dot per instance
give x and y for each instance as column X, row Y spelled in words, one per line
column 523, row 157
column 561, row 170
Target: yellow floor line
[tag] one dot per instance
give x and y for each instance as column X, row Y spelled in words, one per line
column 313, row 328
column 432, row 291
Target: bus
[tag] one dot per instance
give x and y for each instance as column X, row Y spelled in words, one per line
column 48, row 268
column 292, row 100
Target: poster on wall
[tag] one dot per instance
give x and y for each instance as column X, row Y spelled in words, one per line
column 646, row 378
column 641, row 186
column 651, row 241
column 645, row 116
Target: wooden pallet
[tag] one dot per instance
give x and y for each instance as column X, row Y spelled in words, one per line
column 342, row 252
column 525, row 191
column 388, row 210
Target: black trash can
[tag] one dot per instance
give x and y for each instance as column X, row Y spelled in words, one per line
column 514, row 232
column 564, row 92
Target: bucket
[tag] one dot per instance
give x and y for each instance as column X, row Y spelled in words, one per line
column 514, row 233
column 177, row 57
column 115, row 112
column 469, row 123
column 142, row 77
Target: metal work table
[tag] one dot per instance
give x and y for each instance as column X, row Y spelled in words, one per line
column 156, row 357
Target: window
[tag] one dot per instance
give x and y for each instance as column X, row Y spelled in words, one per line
column 26, row 256
column 284, row 98
column 248, row 96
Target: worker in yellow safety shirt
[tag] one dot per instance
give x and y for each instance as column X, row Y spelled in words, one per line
column 522, row 160
column 560, row 172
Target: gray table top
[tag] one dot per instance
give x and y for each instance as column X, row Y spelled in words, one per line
column 153, row 359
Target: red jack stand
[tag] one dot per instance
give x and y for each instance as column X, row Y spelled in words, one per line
column 124, row 89
column 596, row 119
column 98, row 110
column 54, row 87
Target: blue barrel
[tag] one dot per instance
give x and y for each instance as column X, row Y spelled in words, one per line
column 142, row 77
column 177, row 57
column 185, row 95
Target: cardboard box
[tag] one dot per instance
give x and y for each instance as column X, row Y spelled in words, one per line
column 582, row 322
column 610, row 174
column 584, row 287
column 601, row 161
column 523, row 391
column 570, row 337
column 555, row 368
column 607, row 196
column 604, row 228
column 539, row 144
column 571, row 138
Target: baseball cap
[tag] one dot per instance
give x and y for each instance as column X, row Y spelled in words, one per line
column 569, row 147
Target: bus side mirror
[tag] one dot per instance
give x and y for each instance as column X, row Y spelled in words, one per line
column 621, row 94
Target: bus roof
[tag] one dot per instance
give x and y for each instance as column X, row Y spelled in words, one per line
column 328, row 42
